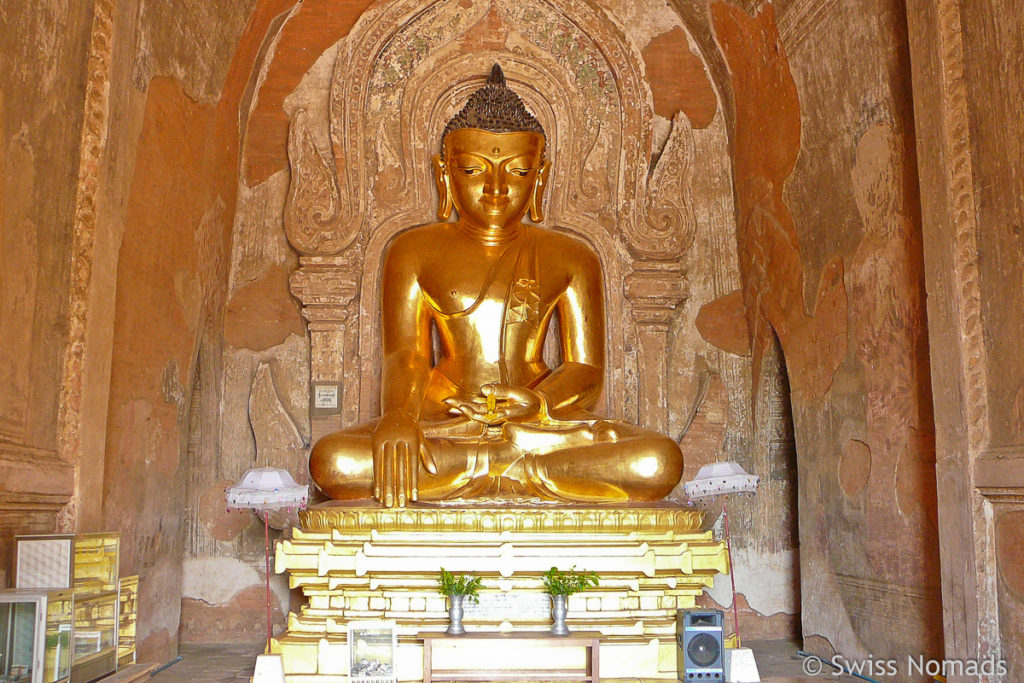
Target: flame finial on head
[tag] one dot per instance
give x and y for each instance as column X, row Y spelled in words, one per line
column 497, row 76
column 496, row 108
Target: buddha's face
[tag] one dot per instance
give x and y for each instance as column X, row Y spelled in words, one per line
column 492, row 176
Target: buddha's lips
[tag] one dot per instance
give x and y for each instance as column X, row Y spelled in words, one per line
column 494, row 203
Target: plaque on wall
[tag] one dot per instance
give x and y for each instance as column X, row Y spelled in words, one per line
column 514, row 606
column 325, row 399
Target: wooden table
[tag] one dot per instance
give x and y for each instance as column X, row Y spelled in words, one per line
column 507, row 657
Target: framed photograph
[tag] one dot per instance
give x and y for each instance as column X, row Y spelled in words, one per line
column 372, row 652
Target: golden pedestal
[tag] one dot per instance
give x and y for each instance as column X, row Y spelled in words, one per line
column 358, row 563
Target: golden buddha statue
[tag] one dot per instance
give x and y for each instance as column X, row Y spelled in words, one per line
column 489, row 419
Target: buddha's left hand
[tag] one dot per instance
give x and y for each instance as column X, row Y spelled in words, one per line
column 507, row 404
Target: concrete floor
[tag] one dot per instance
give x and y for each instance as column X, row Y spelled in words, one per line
column 218, row 663
column 777, row 662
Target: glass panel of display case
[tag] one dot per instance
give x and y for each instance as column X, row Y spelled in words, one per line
column 96, row 560
column 127, row 617
column 95, row 626
column 17, row 635
column 35, row 636
column 95, row 637
column 57, row 656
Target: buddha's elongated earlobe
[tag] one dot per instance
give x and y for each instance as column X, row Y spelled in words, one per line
column 537, row 196
column 444, row 189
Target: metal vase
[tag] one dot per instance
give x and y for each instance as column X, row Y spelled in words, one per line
column 558, row 612
column 455, row 627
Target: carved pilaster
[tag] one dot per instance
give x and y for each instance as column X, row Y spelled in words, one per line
column 328, row 289
column 92, row 146
column 959, row 363
column 960, row 181
column 656, row 290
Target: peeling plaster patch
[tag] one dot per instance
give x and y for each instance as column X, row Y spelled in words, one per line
column 679, row 79
column 314, row 27
column 188, row 290
column 854, row 467
column 279, row 587
column 216, row 580
column 158, row 617
column 278, row 442
column 915, row 482
column 242, row 620
column 1017, row 414
column 262, row 313
column 1009, row 530
column 661, row 128
column 701, row 442
column 290, row 363
column 1009, row 536
column 766, row 579
column 259, row 241
column 178, row 39
column 171, row 389
column 308, row 95
column 222, row 580
column 723, row 323
column 645, row 20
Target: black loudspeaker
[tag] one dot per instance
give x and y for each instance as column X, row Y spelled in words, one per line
column 700, row 651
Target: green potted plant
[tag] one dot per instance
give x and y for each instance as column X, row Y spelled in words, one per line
column 457, row 588
column 560, row 585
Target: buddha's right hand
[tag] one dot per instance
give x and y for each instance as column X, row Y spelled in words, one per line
column 501, row 403
column 398, row 447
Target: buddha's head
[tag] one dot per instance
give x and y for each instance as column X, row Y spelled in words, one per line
column 492, row 167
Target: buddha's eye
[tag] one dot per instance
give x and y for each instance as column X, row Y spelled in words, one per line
column 521, row 172
column 470, row 170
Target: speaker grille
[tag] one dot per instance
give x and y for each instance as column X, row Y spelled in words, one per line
column 703, row 650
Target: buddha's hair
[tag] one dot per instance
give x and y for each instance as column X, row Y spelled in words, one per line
column 495, row 108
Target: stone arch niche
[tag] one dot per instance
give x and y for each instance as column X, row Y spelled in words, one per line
column 360, row 174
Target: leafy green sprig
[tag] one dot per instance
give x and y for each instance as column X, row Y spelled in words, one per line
column 566, row 583
column 450, row 584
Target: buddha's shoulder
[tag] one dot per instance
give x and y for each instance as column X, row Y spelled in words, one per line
column 566, row 245
column 415, row 238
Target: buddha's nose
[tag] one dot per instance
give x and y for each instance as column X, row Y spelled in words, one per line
column 495, row 185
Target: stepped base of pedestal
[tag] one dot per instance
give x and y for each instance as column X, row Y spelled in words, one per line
column 357, row 563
